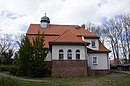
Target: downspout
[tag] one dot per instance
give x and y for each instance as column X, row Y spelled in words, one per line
column 108, row 64
column 86, row 64
column 50, row 49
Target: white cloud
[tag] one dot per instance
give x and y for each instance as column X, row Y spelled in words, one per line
column 20, row 13
column 114, row 7
column 21, row 6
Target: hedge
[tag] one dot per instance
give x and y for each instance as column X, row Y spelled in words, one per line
column 7, row 67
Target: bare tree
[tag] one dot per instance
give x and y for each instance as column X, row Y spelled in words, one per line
column 6, row 44
column 126, row 22
column 117, row 30
column 113, row 29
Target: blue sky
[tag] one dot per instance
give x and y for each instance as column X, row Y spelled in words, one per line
column 16, row 15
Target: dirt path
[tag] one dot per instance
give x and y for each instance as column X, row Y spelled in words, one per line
column 23, row 79
column 112, row 75
column 118, row 75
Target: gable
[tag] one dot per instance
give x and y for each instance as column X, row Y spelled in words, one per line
column 68, row 36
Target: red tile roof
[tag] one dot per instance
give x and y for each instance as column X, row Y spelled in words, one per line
column 62, row 33
column 102, row 48
column 59, row 29
column 46, row 38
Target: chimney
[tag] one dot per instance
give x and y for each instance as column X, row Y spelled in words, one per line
column 83, row 25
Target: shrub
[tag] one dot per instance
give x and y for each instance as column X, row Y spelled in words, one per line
column 13, row 70
column 6, row 67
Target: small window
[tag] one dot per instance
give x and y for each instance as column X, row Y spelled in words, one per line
column 61, row 54
column 69, row 54
column 93, row 44
column 77, row 54
column 95, row 60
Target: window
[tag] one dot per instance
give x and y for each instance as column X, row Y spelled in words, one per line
column 61, row 54
column 93, row 44
column 69, row 54
column 95, row 60
column 77, row 54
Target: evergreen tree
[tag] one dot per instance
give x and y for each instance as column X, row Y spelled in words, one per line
column 31, row 57
column 39, row 55
column 25, row 55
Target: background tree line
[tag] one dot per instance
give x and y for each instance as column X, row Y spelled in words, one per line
column 116, row 31
column 6, row 49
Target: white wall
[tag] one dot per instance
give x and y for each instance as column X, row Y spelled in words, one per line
column 96, row 43
column 103, row 61
column 48, row 57
column 56, row 48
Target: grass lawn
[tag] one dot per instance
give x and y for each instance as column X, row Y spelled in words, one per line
column 109, row 80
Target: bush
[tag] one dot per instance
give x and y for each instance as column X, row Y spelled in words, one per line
column 6, row 67
column 13, row 70
column 4, row 81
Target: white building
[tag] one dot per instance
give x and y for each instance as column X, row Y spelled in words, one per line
column 73, row 51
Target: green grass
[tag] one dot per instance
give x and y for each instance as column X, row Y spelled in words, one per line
column 110, row 80
column 4, row 81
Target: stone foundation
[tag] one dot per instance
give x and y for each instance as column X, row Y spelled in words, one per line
column 100, row 72
column 69, row 68
column 97, row 72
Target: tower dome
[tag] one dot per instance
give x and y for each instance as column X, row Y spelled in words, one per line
column 45, row 21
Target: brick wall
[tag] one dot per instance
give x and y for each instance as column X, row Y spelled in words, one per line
column 68, row 68
column 48, row 66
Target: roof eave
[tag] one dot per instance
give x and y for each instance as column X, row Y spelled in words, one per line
column 98, row 51
column 92, row 37
column 69, row 43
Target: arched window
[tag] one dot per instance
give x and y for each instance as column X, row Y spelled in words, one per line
column 61, row 54
column 69, row 54
column 77, row 54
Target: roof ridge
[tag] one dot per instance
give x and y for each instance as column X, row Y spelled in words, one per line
column 58, row 24
column 74, row 34
column 59, row 35
column 71, row 32
column 101, row 44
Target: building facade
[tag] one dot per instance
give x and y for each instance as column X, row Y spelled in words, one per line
column 73, row 50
